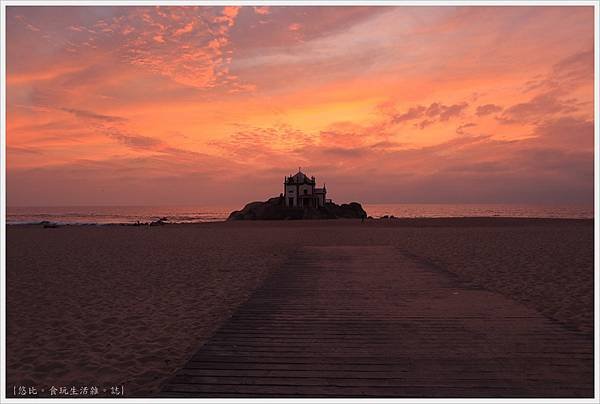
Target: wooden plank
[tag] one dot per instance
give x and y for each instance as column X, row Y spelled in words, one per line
column 366, row 321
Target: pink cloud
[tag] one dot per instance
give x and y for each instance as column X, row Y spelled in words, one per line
column 189, row 27
column 461, row 129
column 537, row 108
column 435, row 112
column 32, row 27
column 228, row 15
column 263, row 10
column 487, row 109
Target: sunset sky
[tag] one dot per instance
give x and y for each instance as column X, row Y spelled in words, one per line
column 215, row 105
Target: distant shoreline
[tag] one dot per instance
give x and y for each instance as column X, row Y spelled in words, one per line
column 402, row 221
column 100, row 215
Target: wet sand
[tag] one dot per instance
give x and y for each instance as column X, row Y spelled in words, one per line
column 124, row 305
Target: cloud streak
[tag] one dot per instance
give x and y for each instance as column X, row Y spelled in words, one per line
column 435, row 112
column 93, row 116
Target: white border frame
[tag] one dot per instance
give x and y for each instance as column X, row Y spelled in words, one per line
column 5, row 3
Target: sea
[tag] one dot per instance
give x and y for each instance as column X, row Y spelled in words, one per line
column 99, row 215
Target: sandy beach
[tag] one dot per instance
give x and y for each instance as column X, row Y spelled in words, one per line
column 125, row 305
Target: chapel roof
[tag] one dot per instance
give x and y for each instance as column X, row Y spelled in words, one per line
column 300, row 178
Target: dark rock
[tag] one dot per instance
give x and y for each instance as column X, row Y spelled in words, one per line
column 274, row 209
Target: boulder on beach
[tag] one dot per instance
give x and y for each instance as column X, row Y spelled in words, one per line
column 274, row 209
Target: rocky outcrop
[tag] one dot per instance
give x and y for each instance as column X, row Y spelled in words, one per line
column 274, row 209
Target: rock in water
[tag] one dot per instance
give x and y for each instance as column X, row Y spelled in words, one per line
column 274, row 209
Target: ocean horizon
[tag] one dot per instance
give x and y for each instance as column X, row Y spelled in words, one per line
column 86, row 215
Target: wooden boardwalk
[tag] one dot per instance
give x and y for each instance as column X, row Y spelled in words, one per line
column 371, row 322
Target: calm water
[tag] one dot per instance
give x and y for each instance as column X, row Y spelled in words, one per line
column 188, row 214
column 481, row 210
